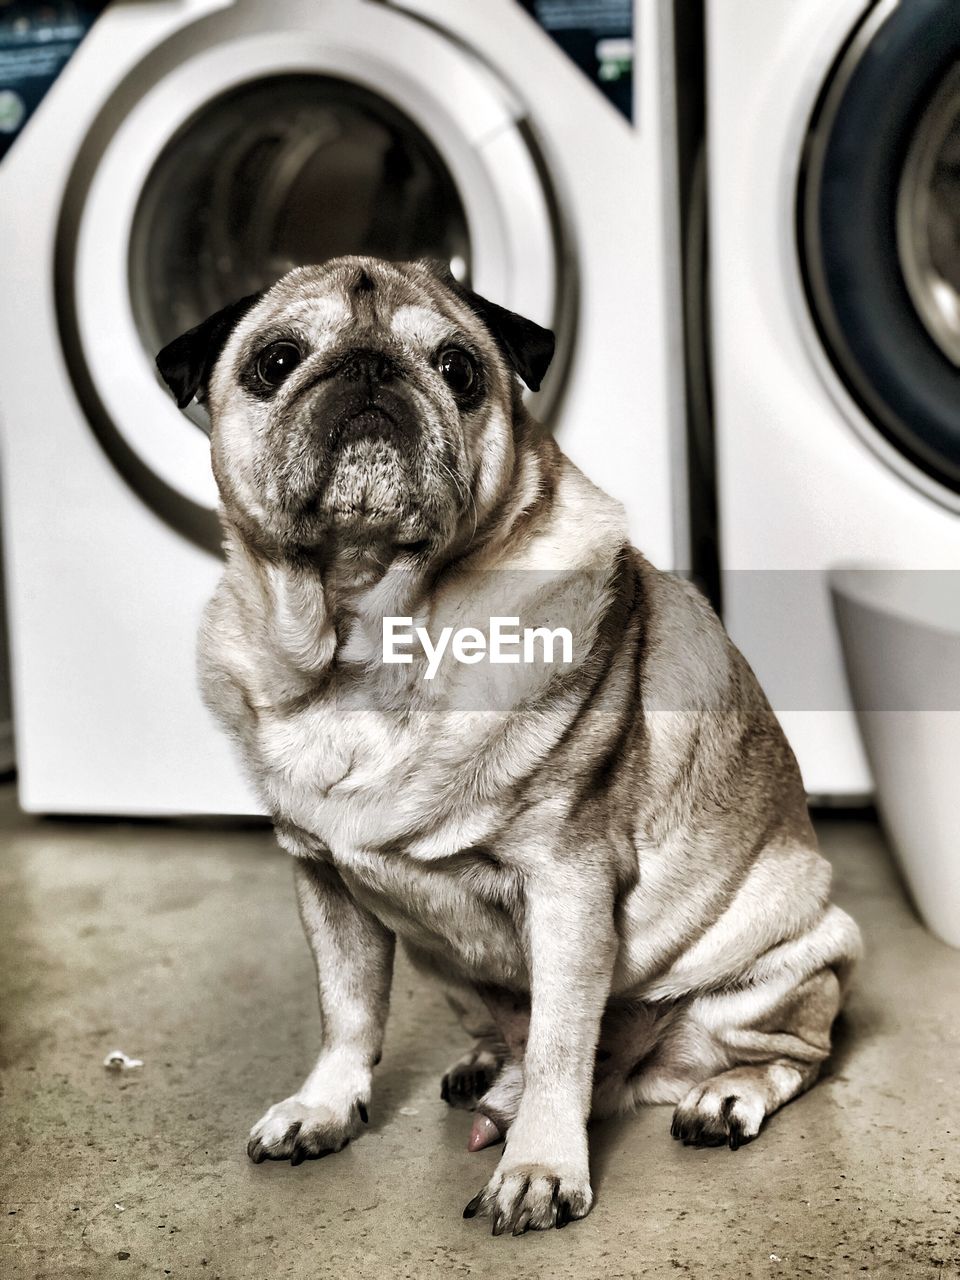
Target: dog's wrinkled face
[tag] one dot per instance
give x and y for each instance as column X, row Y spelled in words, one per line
column 359, row 398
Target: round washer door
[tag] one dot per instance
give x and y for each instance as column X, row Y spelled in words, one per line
column 264, row 137
column 879, row 223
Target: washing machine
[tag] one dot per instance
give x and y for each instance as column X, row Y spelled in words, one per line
column 835, row 240
column 191, row 152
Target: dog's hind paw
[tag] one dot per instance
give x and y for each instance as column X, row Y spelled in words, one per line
column 719, row 1114
column 292, row 1130
column 469, row 1078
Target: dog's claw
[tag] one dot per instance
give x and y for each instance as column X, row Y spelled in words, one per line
column 362, row 1112
column 473, row 1207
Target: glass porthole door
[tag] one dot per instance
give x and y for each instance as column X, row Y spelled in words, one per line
column 879, row 221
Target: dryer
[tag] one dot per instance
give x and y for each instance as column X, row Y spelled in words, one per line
column 192, row 151
column 835, row 243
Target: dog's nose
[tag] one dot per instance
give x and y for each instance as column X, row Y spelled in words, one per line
column 368, row 366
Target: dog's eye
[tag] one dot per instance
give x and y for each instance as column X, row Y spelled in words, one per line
column 458, row 370
column 277, row 361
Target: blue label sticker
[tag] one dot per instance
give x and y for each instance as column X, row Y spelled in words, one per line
column 598, row 36
column 36, row 42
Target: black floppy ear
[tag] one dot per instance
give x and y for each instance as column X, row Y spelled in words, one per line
column 187, row 362
column 528, row 347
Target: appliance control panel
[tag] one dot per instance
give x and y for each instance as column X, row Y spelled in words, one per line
column 36, row 42
column 598, row 36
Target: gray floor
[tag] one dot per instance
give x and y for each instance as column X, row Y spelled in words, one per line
column 182, row 947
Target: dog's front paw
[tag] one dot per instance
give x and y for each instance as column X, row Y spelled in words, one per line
column 522, row 1197
column 292, row 1130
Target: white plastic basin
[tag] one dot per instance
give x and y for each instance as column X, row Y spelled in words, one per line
column 900, row 631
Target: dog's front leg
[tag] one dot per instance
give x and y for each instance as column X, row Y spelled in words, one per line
column 354, row 958
column 543, row 1178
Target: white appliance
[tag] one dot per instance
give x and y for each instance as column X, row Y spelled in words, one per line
column 835, row 245
column 190, row 152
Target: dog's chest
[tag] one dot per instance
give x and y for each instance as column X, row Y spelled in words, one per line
column 331, row 767
column 368, row 792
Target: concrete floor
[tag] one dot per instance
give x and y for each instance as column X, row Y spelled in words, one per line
column 182, row 947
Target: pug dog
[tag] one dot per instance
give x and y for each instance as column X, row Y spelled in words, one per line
column 607, row 859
